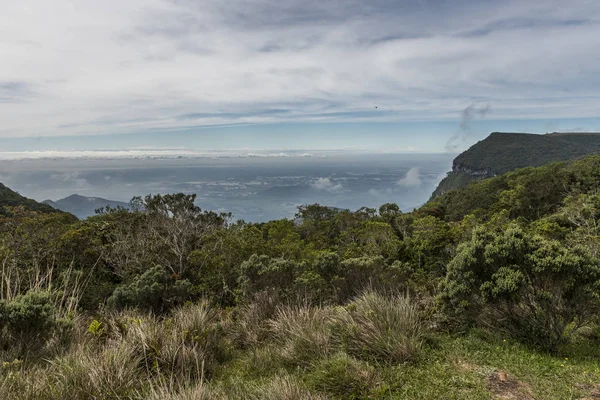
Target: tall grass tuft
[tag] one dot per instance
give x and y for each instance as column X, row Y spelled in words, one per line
column 382, row 328
column 251, row 324
column 189, row 344
column 303, row 332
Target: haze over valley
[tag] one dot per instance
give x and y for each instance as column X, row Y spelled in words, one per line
column 254, row 188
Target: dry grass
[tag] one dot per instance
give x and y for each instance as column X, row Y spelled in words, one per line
column 383, row 328
column 133, row 353
column 137, row 355
column 303, row 332
column 251, row 324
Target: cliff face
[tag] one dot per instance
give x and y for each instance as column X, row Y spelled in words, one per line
column 504, row 152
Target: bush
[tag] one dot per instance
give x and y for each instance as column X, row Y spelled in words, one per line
column 380, row 328
column 532, row 288
column 153, row 290
column 276, row 275
column 343, row 377
column 28, row 321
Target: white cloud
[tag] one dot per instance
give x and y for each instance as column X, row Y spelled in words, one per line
column 411, row 179
column 90, row 67
column 71, row 177
column 140, row 153
column 327, row 184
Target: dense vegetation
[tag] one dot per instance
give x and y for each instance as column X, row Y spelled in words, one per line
column 490, row 290
column 9, row 198
column 500, row 153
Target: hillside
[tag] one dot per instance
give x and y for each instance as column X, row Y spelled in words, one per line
column 82, row 206
column 10, row 198
column 504, row 152
column 490, row 291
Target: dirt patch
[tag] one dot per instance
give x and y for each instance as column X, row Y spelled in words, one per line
column 503, row 386
column 592, row 390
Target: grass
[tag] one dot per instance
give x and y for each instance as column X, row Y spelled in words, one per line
column 383, row 328
column 376, row 347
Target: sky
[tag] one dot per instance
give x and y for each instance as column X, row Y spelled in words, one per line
column 339, row 75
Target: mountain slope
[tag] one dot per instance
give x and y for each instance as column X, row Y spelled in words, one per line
column 530, row 193
column 82, row 206
column 503, row 152
column 10, row 198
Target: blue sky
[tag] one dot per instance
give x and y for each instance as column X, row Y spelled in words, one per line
column 379, row 75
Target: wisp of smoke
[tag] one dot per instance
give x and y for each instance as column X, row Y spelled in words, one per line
column 466, row 116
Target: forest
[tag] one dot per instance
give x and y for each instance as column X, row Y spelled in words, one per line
column 488, row 291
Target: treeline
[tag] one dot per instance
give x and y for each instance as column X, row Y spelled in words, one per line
column 516, row 255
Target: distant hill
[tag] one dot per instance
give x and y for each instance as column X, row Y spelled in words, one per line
column 82, row 206
column 11, row 198
column 503, row 152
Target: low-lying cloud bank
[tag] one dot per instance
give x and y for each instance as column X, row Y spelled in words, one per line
column 142, row 154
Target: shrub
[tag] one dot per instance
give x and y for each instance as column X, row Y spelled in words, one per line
column 385, row 329
column 343, row 377
column 277, row 275
column 29, row 321
column 153, row 290
column 532, row 288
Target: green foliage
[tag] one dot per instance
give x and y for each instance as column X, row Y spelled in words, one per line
column 96, row 328
column 531, row 193
column 10, row 199
column 500, row 153
column 429, row 243
column 514, row 256
column 260, row 273
column 505, row 152
column 29, row 320
column 534, row 288
column 153, row 290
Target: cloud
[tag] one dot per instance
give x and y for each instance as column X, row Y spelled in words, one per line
column 412, row 178
column 466, row 117
column 161, row 65
column 71, row 177
column 147, row 153
column 327, row 184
